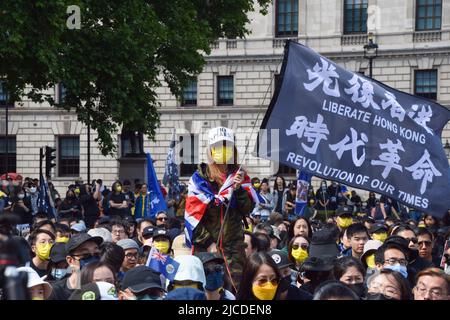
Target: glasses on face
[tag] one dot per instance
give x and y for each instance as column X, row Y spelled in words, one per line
column 263, row 281
column 434, row 292
column 118, row 231
column 413, row 240
column 162, row 219
column 426, row 243
column 389, row 291
column 304, row 246
column 131, row 255
column 84, row 256
column 214, row 269
column 394, row 261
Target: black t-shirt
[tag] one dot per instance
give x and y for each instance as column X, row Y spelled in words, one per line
column 89, row 205
column 279, row 200
column 60, row 290
column 40, row 272
column 64, row 209
column 295, row 293
column 116, row 198
column 19, row 211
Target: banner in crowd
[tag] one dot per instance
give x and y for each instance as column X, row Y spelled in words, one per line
column 157, row 202
column 301, row 200
column 162, row 263
column 343, row 126
column 45, row 203
column 171, row 177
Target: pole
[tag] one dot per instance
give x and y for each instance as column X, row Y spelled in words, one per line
column 370, row 67
column 88, row 153
column 6, row 134
column 41, row 156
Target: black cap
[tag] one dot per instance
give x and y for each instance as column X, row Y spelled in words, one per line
column 148, row 232
column 159, row 232
column 58, row 253
column 378, row 227
column 344, row 211
column 281, row 258
column 103, row 220
column 78, row 239
column 323, row 244
column 401, row 242
column 292, row 186
column 141, row 278
column 317, row 264
column 368, row 219
column 206, row 257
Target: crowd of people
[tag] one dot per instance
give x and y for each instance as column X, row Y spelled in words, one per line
column 95, row 244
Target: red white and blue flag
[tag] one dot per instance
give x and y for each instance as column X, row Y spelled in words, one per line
column 200, row 195
column 162, row 263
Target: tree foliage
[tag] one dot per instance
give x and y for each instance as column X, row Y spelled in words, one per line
column 112, row 64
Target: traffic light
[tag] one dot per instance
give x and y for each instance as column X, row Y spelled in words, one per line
column 49, row 157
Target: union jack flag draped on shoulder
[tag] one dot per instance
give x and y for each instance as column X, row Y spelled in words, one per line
column 200, row 195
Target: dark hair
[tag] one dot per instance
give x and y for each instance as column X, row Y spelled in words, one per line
column 356, row 228
column 341, row 266
column 334, row 230
column 144, row 220
column 113, row 187
column 400, row 228
column 425, row 231
column 405, row 289
column 265, row 180
column 33, row 236
column 40, row 215
column 275, row 182
column 254, row 179
column 113, row 255
column 126, row 182
column 252, row 265
column 87, row 273
column 39, row 224
column 255, row 241
column 292, row 225
column 379, row 254
column 263, row 241
column 62, row 228
column 291, row 242
column 334, row 289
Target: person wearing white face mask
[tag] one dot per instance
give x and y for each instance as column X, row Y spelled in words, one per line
column 33, row 194
column 58, row 266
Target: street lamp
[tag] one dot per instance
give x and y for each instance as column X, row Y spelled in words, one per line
column 447, row 149
column 370, row 51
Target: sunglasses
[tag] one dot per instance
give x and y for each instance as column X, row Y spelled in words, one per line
column 304, row 246
column 413, row 240
column 162, row 219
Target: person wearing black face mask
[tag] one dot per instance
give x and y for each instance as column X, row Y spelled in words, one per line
column 70, row 207
column 213, row 265
column 287, row 286
column 350, row 271
column 81, row 250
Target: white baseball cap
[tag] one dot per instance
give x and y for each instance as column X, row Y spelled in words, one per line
column 220, row 134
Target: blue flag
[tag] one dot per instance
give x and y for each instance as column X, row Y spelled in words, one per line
column 162, row 263
column 301, row 199
column 157, row 202
column 343, row 126
column 171, row 178
column 44, row 200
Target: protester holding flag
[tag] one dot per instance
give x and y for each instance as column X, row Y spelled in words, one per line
column 211, row 226
column 267, row 205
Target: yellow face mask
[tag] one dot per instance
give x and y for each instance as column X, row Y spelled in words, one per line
column 257, row 185
column 370, row 261
column 178, row 286
column 62, row 240
column 162, row 246
column 344, row 222
column 380, row 236
column 299, row 254
column 37, row 298
column 222, row 155
column 77, row 191
column 43, row 250
column 265, row 292
column 119, row 189
column 249, row 229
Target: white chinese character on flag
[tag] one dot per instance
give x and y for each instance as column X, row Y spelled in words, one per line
column 323, row 75
column 389, row 159
column 345, row 145
column 362, row 93
column 424, row 169
column 314, row 131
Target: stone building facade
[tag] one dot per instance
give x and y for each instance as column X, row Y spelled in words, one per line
column 247, row 69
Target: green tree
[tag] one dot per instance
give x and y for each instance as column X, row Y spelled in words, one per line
column 113, row 63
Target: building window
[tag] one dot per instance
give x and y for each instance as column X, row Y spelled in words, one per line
column 428, row 15
column 425, row 84
column 189, row 155
column 62, row 91
column 69, row 156
column 190, row 94
column 284, row 171
column 4, row 96
column 225, row 89
column 355, row 16
column 286, row 23
column 11, row 154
